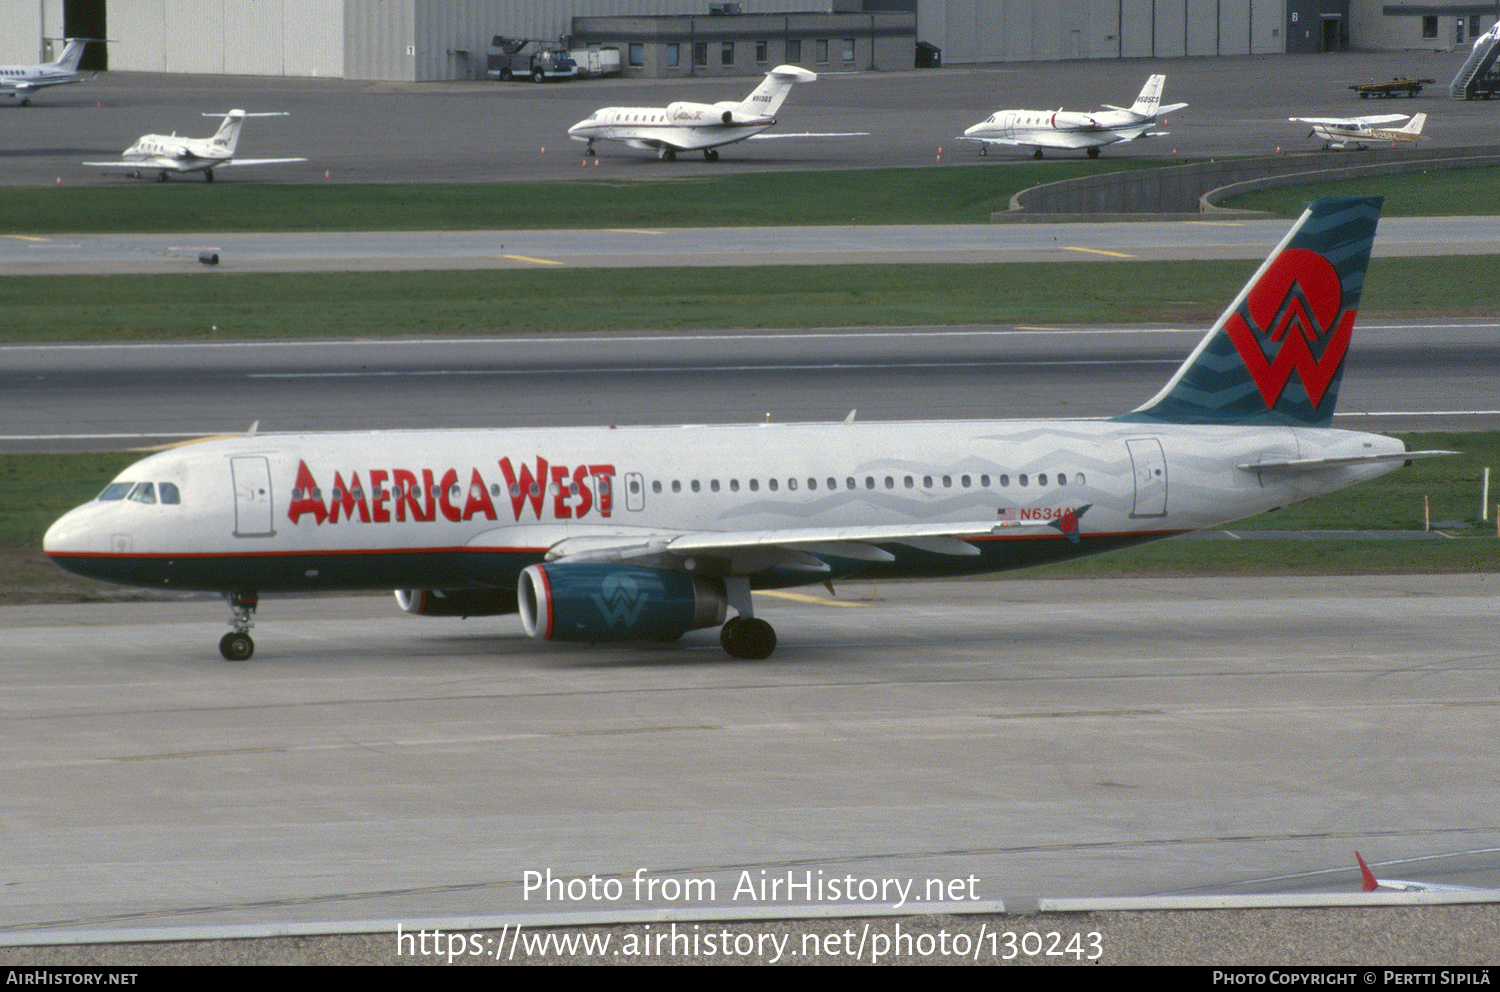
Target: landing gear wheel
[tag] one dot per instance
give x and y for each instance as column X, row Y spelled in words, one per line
column 984, row 150
column 710, row 154
column 1037, row 153
column 748, row 637
column 236, row 647
column 667, row 154
column 208, row 175
column 1093, row 153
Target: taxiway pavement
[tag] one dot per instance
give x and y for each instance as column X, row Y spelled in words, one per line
column 1044, row 738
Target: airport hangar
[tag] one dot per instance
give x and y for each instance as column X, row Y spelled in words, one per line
column 429, row 40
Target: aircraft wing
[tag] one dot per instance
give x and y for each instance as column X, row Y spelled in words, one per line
column 810, row 134
column 1351, row 121
column 173, row 164
column 1370, row 883
column 753, row 551
column 260, row 161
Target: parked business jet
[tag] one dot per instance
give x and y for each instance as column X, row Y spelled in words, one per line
column 684, row 127
column 643, row 534
column 167, row 153
column 1361, row 132
column 1040, row 129
column 23, row 80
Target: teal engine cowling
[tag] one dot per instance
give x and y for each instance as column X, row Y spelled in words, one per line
column 457, row 602
column 588, row 601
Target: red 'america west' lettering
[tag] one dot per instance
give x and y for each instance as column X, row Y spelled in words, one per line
column 539, row 491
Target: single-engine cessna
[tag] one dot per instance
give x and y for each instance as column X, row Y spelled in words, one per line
column 644, row 534
column 1361, row 132
column 23, row 80
column 1040, row 129
column 167, row 153
column 684, row 127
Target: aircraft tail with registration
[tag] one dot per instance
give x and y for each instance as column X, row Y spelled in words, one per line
column 772, row 92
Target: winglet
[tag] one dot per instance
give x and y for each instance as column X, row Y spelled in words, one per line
column 1369, row 884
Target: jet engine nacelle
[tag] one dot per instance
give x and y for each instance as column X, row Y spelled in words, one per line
column 457, row 602
column 590, row 601
column 684, row 112
column 1068, row 121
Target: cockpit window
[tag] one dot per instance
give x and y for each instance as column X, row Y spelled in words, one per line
column 144, row 492
column 169, row 493
column 116, row 490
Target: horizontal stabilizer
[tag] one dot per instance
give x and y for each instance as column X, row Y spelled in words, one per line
column 1311, row 464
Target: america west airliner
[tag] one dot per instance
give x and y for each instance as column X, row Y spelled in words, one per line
column 644, row 534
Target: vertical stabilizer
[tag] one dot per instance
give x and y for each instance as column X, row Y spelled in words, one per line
column 1277, row 354
column 228, row 135
column 1150, row 97
column 767, row 98
column 72, row 55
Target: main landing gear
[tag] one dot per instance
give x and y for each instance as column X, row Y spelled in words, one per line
column 747, row 637
column 710, row 154
column 237, row 645
column 743, row 636
column 666, row 154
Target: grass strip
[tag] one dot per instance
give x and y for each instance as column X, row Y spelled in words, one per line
column 217, row 305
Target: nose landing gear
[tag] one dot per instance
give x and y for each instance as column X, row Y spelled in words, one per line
column 237, row 645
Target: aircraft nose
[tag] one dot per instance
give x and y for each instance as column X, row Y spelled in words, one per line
column 70, row 534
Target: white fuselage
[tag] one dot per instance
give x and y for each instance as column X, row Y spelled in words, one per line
column 683, row 126
column 1338, row 136
column 159, row 151
column 447, row 509
column 1060, row 128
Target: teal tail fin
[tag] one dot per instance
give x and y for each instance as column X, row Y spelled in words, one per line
column 1277, row 353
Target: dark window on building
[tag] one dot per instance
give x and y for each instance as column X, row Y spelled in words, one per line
column 637, row 54
column 760, row 48
column 848, row 49
column 700, row 53
column 794, row 51
column 820, row 50
column 726, row 53
column 1429, row 26
column 674, row 56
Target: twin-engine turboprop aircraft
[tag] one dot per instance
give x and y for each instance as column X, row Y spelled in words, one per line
column 167, row 153
column 20, row 81
column 1040, row 129
column 684, row 127
column 643, row 534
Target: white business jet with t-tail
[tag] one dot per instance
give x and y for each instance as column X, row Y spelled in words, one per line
column 165, row 154
column 1362, row 132
column 686, row 127
column 1039, row 129
column 20, row 81
column 644, row 534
